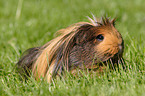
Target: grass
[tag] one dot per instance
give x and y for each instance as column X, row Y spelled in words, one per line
column 30, row 23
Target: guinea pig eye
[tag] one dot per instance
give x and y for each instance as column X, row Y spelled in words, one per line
column 100, row 37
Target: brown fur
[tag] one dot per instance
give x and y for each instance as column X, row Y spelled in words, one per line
column 76, row 47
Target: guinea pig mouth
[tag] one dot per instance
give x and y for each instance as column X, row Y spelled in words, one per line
column 116, row 59
column 111, row 62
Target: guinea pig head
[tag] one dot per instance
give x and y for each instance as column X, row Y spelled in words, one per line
column 109, row 43
column 97, row 44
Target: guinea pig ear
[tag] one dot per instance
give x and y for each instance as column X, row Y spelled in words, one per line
column 83, row 33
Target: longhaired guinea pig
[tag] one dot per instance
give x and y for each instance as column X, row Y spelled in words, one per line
column 80, row 45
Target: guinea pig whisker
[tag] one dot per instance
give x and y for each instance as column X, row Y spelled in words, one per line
column 106, row 51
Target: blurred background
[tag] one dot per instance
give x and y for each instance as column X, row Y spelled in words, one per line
column 30, row 23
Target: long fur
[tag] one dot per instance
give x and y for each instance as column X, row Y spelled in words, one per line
column 53, row 57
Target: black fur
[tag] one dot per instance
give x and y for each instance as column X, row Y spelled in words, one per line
column 27, row 59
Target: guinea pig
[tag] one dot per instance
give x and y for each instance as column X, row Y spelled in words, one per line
column 81, row 45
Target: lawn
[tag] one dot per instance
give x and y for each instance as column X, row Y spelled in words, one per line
column 30, row 23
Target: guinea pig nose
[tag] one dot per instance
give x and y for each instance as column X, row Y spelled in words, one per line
column 120, row 48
